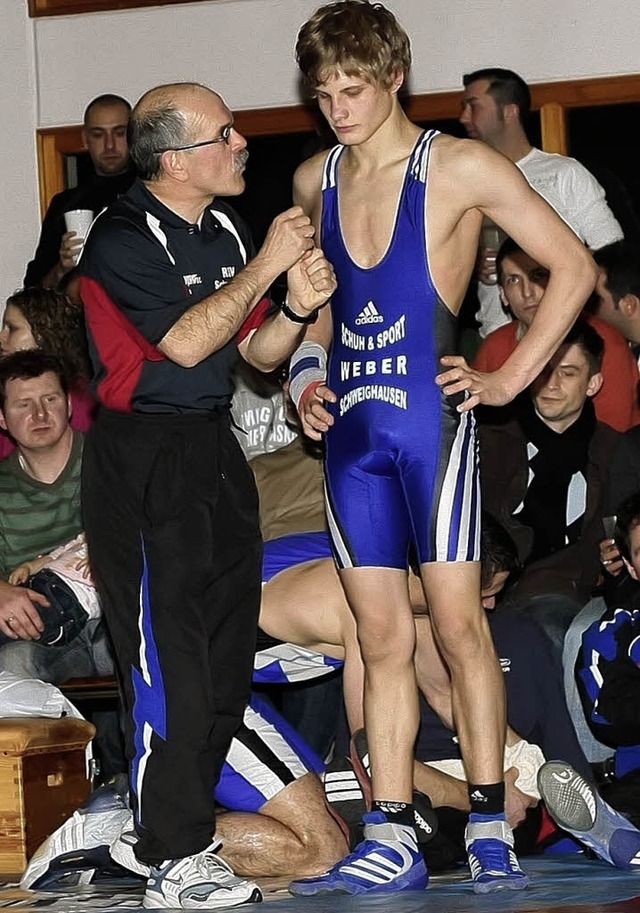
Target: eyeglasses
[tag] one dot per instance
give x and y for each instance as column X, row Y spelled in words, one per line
column 224, row 137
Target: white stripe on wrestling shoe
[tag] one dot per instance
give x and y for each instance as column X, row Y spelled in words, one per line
column 377, row 868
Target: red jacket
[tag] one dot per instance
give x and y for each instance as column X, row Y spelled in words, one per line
column 616, row 402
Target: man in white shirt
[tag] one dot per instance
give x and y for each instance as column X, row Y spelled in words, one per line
column 495, row 106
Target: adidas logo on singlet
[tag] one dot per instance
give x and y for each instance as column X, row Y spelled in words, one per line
column 369, row 314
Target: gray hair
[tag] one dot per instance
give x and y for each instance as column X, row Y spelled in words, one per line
column 153, row 129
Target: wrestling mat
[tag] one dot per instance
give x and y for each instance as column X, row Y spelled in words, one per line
column 558, row 885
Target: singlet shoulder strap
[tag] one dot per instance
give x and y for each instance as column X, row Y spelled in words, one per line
column 330, row 167
column 420, row 157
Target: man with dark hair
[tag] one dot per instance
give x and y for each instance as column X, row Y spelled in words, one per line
column 506, row 88
column 400, row 439
column 495, row 105
column 168, row 280
column 104, row 136
column 617, row 292
column 521, row 282
column 544, row 475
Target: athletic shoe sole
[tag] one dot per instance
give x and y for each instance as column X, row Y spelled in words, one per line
column 501, row 884
column 576, row 807
column 153, row 900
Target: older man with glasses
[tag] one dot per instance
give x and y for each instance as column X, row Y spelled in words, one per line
column 172, row 293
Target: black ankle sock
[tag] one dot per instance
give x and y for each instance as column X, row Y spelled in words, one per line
column 487, row 799
column 396, row 812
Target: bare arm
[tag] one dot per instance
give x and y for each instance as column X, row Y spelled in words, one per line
column 21, row 574
column 212, row 322
column 498, row 190
column 70, row 247
column 314, row 417
column 310, row 282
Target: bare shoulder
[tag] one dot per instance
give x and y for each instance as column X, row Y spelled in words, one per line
column 307, row 179
column 470, row 158
column 478, row 176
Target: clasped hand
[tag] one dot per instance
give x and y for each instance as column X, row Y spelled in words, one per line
column 310, row 282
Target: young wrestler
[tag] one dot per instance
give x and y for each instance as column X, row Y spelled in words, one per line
column 399, row 212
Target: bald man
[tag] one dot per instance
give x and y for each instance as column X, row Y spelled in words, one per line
column 173, row 293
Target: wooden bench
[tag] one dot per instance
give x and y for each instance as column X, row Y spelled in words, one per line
column 98, row 689
column 43, row 780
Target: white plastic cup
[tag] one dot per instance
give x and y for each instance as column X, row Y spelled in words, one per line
column 79, row 220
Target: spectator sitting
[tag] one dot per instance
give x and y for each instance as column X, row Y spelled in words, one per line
column 617, row 587
column 104, row 136
column 521, row 282
column 40, row 511
column 544, row 476
column 608, row 675
column 39, row 318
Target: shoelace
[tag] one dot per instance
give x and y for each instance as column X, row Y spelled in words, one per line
column 209, row 865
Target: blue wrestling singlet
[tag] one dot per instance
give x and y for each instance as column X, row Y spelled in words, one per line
column 277, row 662
column 265, row 756
column 401, row 462
column 289, row 551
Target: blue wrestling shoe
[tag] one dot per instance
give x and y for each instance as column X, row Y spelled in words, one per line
column 576, row 807
column 493, row 863
column 386, row 862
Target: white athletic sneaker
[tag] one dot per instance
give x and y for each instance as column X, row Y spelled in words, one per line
column 121, row 851
column 201, row 882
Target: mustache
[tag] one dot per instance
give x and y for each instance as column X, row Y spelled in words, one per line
column 240, row 160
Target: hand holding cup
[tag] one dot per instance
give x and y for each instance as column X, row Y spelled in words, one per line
column 78, row 222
